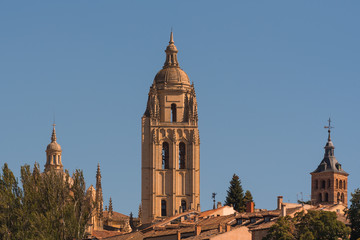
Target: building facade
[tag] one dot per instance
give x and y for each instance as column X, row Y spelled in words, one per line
column 329, row 181
column 170, row 164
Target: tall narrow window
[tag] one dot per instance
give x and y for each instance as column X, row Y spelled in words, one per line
column 329, row 184
column 320, row 197
column 165, row 156
column 326, row 197
column 340, row 184
column 163, row 208
column 173, row 112
column 183, row 205
column 182, row 155
column 337, row 183
column 338, row 198
column 316, row 184
column 54, row 159
column 49, row 158
column 323, row 184
column 342, row 198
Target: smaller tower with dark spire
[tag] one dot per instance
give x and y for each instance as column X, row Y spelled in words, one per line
column 329, row 181
column 99, row 198
column 53, row 154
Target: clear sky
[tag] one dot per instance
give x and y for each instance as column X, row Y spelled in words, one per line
column 268, row 74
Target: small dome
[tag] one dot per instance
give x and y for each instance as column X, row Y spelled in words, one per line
column 329, row 144
column 53, row 146
column 172, row 76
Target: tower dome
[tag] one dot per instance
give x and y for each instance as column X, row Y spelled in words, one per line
column 171, row 74
column 53, row 154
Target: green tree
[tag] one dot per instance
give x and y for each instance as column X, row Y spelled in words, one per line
column 49, row 205
column 319, row 225
column 323, row 225
column 283, row 229
column 11, row 212
column 353, row 214
column 248, row 197
column 235, row 194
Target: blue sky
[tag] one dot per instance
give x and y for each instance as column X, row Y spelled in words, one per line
column 268, row 74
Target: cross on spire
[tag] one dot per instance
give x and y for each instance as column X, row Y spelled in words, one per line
column 329, row 127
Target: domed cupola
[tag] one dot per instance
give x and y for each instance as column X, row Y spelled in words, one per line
column 171, row 74
column 53, row 154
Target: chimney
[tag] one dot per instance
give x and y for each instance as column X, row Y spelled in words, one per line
column 283, row 210
column 279, row 202
column 227, row 227
column 178, row 235
column 218, row 205
column 220, row 228
column 197, row 230
column 250, row 207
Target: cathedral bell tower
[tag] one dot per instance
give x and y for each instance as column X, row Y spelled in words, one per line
column 329, row 181
column 170, row 164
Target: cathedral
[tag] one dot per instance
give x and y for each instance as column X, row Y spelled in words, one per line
column 170, row 162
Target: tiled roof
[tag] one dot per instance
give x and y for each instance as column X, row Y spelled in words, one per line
column 127, row 236
column 101, row 234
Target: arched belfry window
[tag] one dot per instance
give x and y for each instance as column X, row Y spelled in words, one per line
column 165, row 155
column 182, row 155
column 338, row 197
column 163, row 208
column 183, row 205
column 173, row 112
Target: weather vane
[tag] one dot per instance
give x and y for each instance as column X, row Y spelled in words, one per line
column 213, row 197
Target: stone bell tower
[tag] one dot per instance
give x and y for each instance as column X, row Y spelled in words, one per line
column 170, row 162
column 329, row 181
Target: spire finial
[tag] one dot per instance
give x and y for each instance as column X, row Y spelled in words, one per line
column 171, row 37
column 171, row 53
column 53, row 135
column 329, row 127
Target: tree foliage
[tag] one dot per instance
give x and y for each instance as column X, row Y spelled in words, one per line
column 49, row 205
column 248, row 197
column 235, row 194
column 283, row 229
column 319, row 225
column 353, row 214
